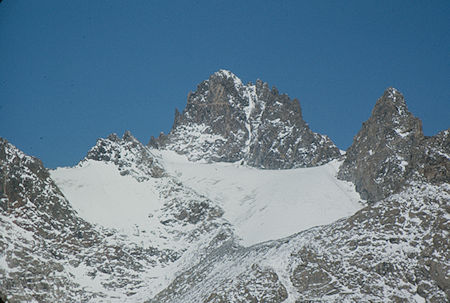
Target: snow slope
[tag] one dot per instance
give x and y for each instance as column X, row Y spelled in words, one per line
column 265, row 205
column 260, row 204
column 157, row 217
column 102, row 196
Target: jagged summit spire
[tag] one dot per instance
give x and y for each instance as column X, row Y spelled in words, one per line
column 227, row 121
column 394, row 95
column 127, row 136
column 227, row 75
column 378, row 160
column 392, row 102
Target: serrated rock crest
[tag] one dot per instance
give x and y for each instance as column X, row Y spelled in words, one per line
column 225, row 120
column 130, row 155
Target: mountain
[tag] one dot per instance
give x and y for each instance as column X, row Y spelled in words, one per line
column 396, row 249
column 240, row 202
column 390, row 149
column 128, row 155
column 227, row 121
column 50, row 253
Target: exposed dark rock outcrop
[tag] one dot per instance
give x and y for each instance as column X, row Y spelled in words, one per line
column 24, row 179
column 390, row 148
column 225, row 120
column 31, row 203
column 433, row 160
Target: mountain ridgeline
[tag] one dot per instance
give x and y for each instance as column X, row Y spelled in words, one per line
column 227, row 121
column 154, row 223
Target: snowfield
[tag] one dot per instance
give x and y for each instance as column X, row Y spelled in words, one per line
column 260, row 204
column 266, row 205
column 102, row 196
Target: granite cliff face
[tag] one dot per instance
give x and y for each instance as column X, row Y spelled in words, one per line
column 390, row 149
column 434, row 160
column 225, row 120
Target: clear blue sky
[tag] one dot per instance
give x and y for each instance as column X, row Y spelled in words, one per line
column 74, row 71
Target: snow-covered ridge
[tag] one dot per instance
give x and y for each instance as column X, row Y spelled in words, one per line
column 129, row 155
column 193, row 203
column 121, row 238
column 228, row 74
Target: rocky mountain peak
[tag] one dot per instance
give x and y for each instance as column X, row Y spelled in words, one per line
column 391, row 110
column 127, row 136
column 130, row 155
column 225, row 120
column 13, row 164
column 25, row 183
column 226, row 75
column 380, row 158
column 392, row 96
column 177, row 253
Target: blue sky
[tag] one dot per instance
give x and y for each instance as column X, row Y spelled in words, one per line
column 74, row 71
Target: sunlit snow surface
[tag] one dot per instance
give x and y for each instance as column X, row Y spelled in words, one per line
column 268, row 204
column 101, row 195
column 261, row 204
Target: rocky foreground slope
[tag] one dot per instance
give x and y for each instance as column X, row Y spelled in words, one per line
column 395, row 249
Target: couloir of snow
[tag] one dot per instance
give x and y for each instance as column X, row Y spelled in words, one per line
column 268, row 204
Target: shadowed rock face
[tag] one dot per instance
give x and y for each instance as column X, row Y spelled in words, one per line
column 31, row 203
column 377, row 161
column 24, row 178
column 391, row 147
column 433, row 161
column 225, row 120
